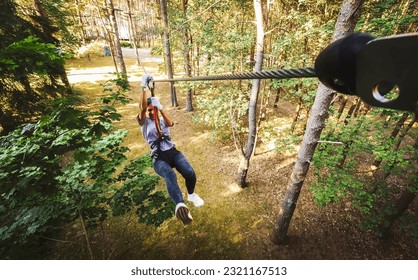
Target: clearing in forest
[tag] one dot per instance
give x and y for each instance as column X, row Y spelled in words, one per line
column 233, row 223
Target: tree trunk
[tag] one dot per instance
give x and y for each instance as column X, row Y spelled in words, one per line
column 186, row 54
column 401, row 206
column 346, row 22
column 349, row 115
column 167, row 49
column 399, row 124
column 80, row 21
column 115, row 31
column 252, row 112
column 197, row 59
column 341, row 108
column 396, row 145
column 106, row 32
column 276, row 98
column 132, row 33
column 349, row 142
column 394, row 133
column 39, row 8
column 357, row 109
column 298, row 112
column 308, row 110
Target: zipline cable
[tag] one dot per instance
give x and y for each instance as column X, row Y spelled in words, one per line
column 358, row 64
column 307, row 72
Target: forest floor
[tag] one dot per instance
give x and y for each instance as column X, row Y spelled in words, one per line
column 234, row 223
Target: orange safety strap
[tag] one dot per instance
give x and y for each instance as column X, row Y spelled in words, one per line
column 156, row 117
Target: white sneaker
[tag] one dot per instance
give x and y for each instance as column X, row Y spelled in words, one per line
column 195, row 198
column 183, row 213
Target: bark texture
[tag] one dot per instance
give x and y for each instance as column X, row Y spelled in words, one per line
column 347, row 19
column 252, row 112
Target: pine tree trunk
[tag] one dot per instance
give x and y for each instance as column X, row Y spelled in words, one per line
column 401, row 206
column 276, row 98
column 305, row 125
column 186, row 54
column 397, row 144
column 80, row 22
column 316, row 123
column 342, row 106
column 346, row 22
column 197, row 61
column 399, row 124
column 252, row 112
column 112, row 49
column 357, row 108
column 115, row 31
column 394, row 133
column 108, row 36
column 349, row 114
column 132, row 33
column 167, row 49
column 295, row 119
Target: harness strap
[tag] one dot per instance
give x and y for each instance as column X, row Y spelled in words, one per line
column 157, row 142
column 156, row 116
column 157, row 123
column 158, row 153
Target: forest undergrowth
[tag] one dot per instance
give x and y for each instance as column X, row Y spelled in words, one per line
column 234, row 223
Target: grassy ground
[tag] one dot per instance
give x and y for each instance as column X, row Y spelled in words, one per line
column 233, row 223
column 209, row 236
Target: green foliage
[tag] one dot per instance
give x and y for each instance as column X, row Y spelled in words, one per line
column 31, row 67
column 335, row 173
column 286, row 142
column 150, row 206
column 125, row 44
column 339, row 170
column 410, row 223
column 157, row 50
column 13, row 27
column 30, row 71
column 222, row 106
column 65, row 167
column 388, row 17
column 304, row 90
column 29, row 56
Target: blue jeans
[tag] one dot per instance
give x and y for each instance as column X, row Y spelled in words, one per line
column 164, row 164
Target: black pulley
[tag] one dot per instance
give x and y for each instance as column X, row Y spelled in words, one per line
column 387, row 72
column 335, row 66
column 383, row 72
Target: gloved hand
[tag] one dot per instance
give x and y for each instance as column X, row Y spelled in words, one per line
column 156, row 103
column 145, row 80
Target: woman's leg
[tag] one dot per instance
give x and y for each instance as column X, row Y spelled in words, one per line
column 186, row 170
column 164, row 170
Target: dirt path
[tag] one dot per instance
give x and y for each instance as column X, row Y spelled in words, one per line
column 234, row 223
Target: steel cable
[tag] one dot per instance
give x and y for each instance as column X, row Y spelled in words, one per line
column 307, row 72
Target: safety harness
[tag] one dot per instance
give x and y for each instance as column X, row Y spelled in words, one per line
column 157, row 142
column 161, row 135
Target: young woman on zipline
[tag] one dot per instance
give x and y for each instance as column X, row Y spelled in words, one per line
column 164, row 154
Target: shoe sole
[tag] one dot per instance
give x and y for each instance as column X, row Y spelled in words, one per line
column 183, row 215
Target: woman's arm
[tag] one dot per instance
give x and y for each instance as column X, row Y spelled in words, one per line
column 168, row 121
column 142, row 107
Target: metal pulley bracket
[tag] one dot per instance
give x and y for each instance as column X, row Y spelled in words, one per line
column 383, row 72
column 151, row 86
column 387, row 72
